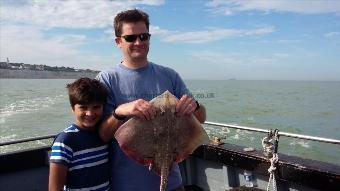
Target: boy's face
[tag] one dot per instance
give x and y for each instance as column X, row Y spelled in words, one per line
column 88, row 115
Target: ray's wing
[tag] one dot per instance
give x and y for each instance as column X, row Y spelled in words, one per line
column 190, row 134
column 135, row 137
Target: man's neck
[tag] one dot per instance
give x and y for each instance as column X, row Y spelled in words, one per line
column 134, row 64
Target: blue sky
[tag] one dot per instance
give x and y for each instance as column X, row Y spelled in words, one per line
column 200, row 39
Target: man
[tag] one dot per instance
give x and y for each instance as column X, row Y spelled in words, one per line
column 131, row 84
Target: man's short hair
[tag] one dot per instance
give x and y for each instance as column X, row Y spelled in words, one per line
column 85, row 91
column 129, row 16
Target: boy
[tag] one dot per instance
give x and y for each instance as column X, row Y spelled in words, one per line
column 79, row 158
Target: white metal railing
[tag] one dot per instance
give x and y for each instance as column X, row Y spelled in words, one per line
column 280, row 133
column 27, row 140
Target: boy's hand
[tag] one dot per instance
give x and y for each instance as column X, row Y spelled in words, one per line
column 139, row 108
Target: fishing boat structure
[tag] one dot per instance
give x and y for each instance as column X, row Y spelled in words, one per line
column 214, row 166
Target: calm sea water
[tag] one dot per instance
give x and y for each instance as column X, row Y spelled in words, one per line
column 34, row 107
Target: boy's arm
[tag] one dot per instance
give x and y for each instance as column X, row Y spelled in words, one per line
column 108, row 127
column 57, row 177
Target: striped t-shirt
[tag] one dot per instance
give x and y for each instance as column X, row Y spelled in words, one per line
column 86, row 157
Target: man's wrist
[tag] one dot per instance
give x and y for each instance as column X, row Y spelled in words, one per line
column 197, row 106
column 118, row 117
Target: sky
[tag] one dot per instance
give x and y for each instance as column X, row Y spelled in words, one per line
column 200, row 39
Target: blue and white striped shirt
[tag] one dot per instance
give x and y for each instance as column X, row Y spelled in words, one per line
column 86, row 157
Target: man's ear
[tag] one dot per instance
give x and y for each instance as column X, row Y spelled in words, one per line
column 118, row 40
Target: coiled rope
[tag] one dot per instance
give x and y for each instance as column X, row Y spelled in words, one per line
column 269, row 145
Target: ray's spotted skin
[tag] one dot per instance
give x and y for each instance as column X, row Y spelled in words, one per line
column 160, row 142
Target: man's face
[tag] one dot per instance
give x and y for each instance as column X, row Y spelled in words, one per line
column 137, row 50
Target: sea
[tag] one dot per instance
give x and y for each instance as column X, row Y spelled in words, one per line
column 37, row 107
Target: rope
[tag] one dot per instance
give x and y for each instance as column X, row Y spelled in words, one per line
column 270, row 149
column 267, row 144
column 271, row 171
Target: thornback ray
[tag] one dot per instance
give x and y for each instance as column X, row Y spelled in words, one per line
column 160, row 142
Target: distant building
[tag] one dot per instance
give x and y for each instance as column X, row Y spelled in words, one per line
column 15, row 67
column 26, row 66
column 23, row 66
column 39, row 67
column 4, row 65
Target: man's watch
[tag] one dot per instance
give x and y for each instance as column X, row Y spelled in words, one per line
column 120, row 118
column 197, row 106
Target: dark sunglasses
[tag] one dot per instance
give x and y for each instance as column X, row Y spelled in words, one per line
column 133, row 37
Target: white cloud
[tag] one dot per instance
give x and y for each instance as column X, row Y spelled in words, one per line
column 287, row 41
column 28, row 45
column 303, row 7
column 68, row 14
column 231, row 59
column 281, row 55
column 281, row 41
column 332, row 34
column 70, row 39
column 211, row 35
column 217, row 58
column 226, row 65
column 156, row 30
column 25, row 27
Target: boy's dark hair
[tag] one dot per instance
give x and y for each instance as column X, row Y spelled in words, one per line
column 86, row 91
column 129, row 16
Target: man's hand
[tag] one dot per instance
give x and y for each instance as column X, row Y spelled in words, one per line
column 185, row 106
column 139, row 108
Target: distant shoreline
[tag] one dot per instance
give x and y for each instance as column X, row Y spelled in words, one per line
column 34, row 74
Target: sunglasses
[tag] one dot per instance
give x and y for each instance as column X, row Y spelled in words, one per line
column 133, row 37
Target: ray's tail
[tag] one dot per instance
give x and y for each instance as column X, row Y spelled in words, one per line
column 164, row 177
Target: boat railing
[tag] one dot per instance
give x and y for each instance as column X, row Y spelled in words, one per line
column 27, row 140
column 280, row 133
